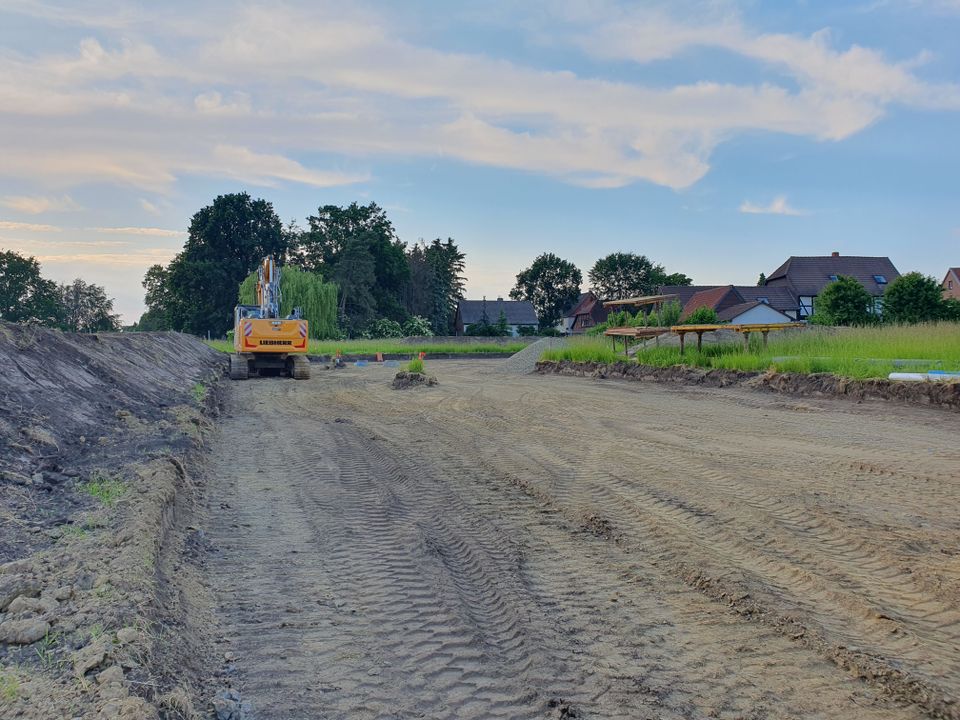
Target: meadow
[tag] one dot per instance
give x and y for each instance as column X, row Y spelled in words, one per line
column 848, row 352
column 394, row 346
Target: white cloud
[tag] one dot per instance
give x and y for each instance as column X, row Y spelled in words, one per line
column 149, row 206
column 777, row 206
column 155, row 232
column 244, row 99
column 34, row 205
column 29, row 227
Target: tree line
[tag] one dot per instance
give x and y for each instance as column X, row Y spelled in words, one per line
column 29, row 298
column 377, row 276
column 911, row 298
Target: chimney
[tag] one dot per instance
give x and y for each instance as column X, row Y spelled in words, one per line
column 499, row 299
column 834, row 254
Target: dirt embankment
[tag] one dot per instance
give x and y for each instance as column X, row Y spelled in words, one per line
column 942, row 394
column 94, row 434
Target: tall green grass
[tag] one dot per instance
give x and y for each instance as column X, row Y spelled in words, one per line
column 393, row 346
column 848, row 352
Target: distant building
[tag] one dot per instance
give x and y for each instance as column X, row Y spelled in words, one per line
column 565, row 324
column 781, row 299
column 806, row 277
column 519, row 314
column 732, row 307
column 588, row 313
column 951, row 284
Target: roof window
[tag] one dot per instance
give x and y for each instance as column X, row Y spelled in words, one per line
column 765, row 300
column 880, row 279
column 834, row 278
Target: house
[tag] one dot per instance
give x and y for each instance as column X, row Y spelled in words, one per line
column 951, row 284
column 588, row 313
column 806, row 277
column 733, row 307
column 565, row 324
column 519, row 314
column 780, row 299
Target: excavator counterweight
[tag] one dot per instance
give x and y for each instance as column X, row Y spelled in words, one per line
column 263, row 341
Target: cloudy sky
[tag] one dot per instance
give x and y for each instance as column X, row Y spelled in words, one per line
column 716, row 137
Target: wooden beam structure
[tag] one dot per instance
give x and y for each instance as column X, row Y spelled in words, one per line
column 633, row 333
column 745, row 330
column 641, row 300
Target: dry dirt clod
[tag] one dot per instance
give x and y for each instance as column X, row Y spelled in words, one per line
column 404, row 380
column 13, row 586
column 23, row 632
column 113, row 674
column 23, row 604
column 90, row 657
column 126, row 635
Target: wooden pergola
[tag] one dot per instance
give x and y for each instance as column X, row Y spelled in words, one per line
column 641, row 301
column 633, row 333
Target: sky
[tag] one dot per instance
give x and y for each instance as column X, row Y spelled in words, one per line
column 717, row 137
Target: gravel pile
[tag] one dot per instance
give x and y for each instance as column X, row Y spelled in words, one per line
column 525, row 361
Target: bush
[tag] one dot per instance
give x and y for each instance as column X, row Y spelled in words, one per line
column 546, row 332
column 845, row 302
column 529, row 331
column 384, row 328
column 417, row 326
column 415, row 366
column 951, row 310
column 702, row 316
column 913, row 298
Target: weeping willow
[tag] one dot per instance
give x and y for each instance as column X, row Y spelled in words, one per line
column 316, row 299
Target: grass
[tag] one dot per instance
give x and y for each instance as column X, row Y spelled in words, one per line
column 415, row 366
column 848, row 352
column 394, row 346
column 105, row 488
column 9, row 687
column 199, row 391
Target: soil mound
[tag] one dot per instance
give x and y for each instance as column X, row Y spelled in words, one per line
column 405, row 380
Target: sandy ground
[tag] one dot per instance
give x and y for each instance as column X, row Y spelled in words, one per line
column 524, row 546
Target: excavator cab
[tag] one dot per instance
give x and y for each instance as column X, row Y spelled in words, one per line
column 263, row 341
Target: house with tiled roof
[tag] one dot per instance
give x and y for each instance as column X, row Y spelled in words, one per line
column 519, row 314
column 806, row 277
column 732, row 307
column 778, row 298
column 951, row 284
column 588, row 313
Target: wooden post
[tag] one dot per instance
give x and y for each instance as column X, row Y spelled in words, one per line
column 699, row 340
column 682, row 336
column 746, row 340
column 765, row 333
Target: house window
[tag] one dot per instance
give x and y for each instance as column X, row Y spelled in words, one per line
column 880, row 279
column 806, row 306
column 833, row 278
column 949, row 284
column 878, row 306
column 764, row 300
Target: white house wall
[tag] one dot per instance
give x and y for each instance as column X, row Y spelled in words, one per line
column 760, row 315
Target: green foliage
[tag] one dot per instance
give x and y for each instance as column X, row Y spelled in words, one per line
column 530, row 331
column 105, row 488
column 951, row 309
column 417, row 326
column 415, row 366
column 862, row 352
column 384, row 328
column 25, row 296
column 845, row 302
column 702, row 316
column 551, row 284
column 668, row 315
column 9, row 687
column 913, row 298
column 622, row 275
column 227, row 240
column 436, row 283
column 316, row 299
column 199, row 391
column 86, row 308
column 762, row 280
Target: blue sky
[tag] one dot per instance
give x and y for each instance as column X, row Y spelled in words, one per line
column 716, row 137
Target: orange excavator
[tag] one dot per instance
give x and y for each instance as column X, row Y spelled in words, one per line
column 264, row 342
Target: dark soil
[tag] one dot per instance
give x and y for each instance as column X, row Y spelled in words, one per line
column 405, row 380
column 940, row 394
column 73, row 405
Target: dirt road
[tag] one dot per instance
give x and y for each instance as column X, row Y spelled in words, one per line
column 527, row 547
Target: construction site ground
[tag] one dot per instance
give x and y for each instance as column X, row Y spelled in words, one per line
column 525, row 546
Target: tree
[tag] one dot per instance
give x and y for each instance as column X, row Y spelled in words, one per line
column 25, row 296
column 913, row 298
column 227, row 240
column 86, row 308
column 703, row 315
column 334, row 230
column 355, row 274
column 158, row 299
column 447, row 264
column 551, row 284
column 951, row 310
column 762, row 280
column 417, row 326
column 845, row 302
column 622, row 275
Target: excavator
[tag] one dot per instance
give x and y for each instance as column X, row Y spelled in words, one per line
column 263, row 341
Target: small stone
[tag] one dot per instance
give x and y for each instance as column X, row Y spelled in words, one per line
column 15, row 567
column 37, row 478
column 23, row 632
column 55, row 478
column 71, row 473
column 127, row 635
column 13, row 586
column 23, row 604
column 113, row 674
column 229, row 656
column 89, row 658
column 85, row 581
column 62, row 593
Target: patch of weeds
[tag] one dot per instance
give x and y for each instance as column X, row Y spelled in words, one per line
column 46, row 651
column 9, row 687
column 199, row 391
column 94, row 632
column 105, row 488
column 415, row 366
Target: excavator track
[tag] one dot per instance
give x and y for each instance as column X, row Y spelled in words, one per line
column 239, row 367
column 300, row 370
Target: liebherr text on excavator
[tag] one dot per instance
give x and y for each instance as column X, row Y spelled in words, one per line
column 264, row 342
